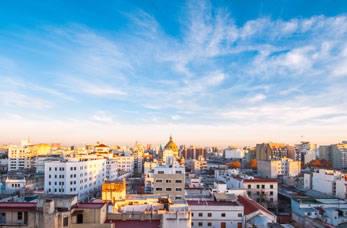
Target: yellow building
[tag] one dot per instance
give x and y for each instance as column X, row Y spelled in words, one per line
column 113, row 190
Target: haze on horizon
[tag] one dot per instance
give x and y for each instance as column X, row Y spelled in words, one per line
column 206, row 72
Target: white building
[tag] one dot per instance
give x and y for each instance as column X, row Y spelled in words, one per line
column 234, row 153
column 19, row 158
column 14, row 184
column 208, row 214
column 306, row 152
column 125, row 163
column 264, row 191
column 79, row 177
column 111, row 169
column 331, row 182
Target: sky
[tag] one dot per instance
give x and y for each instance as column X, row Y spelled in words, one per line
column 230, row 72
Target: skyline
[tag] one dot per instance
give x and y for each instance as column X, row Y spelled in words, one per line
column 208, row 73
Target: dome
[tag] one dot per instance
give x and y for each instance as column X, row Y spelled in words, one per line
column 171, row 145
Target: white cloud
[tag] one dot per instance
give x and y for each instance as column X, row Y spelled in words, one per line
column 102, row 117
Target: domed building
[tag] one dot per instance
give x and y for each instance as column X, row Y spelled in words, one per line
column 171, row 147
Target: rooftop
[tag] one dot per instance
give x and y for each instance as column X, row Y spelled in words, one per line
column 212, row 203
column 17, row 206
column 89, row 205
column 251, row 206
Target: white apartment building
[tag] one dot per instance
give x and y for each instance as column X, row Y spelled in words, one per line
column 79, row 177
column 264, row 191
column 125, row 163
column 305, row 152
column 331, row 182
column 111, row 169
column 234, row 153
column 19, row 158
column 208, row 214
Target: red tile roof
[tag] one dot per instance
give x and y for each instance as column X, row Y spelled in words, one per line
column 24, row 206
column 211, row 203
column 251, row 206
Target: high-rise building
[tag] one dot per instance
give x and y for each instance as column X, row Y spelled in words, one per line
column 335, row 153
column 274, row 151
column 274, row 168
column 305, row 152
column 19, row 158
column 138, row 152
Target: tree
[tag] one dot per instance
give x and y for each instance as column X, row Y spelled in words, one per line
column 253, row 164
column 234, row 164
column 319, row 164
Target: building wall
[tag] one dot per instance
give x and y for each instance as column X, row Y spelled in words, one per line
column 74, row 177
column 169, row 184
column 207, row 216
column 265, row 192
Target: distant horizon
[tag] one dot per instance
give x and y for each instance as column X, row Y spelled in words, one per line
column 208, row 72
column 162, row 143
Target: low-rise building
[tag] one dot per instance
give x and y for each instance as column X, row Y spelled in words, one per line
column 331, row 182
column 113, row 190
column 318, row 212
column 264, row 191
column 15, row 184
column 211, row 213
column 54, row 212
column 169, row 181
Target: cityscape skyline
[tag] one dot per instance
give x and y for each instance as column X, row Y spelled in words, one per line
column 208, row 73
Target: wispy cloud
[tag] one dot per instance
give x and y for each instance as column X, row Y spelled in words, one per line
column 285, row 72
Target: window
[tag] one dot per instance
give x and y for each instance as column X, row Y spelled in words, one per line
column 258, row 186
column 263, row 186
column 249, row 186
column 239, row 215
column 271, row 193
column 223, row 214
column 79, row 218
column 178, row 189
column 271, row 186
column 200, row 224
column 178, row 181
column 192, row 214
column 178, row 172
column 159, row 181
column 66, row 221
column 158, row 189
column 19, row 215
column 209, row 214
column 209, row 224
column 160, row 172
column 200, row 214
column 168, row 189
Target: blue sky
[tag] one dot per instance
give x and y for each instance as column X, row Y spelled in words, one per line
column 216, row 73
